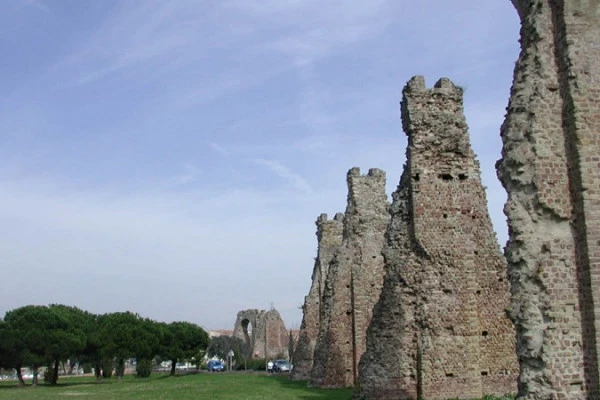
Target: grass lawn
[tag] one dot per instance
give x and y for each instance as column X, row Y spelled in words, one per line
column 225, row 386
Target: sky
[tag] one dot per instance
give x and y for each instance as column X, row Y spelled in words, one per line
column 170, row 158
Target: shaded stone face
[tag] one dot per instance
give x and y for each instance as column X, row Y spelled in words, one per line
column 263, row 331
column 550, row 168
column 329, row 236
column 439, row 329
column 353, row 282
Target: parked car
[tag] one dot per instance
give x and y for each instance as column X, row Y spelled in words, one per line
column 215, row 366
column 281, row 366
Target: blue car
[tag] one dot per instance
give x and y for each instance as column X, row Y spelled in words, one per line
column 215, row 366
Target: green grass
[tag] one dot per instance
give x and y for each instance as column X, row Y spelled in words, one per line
column 227, row 386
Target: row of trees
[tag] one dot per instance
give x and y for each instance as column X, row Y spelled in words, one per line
column 37, row 336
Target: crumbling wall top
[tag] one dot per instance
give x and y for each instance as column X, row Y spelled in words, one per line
column 339, row 216
column 417, row 84
column 434, row 118
column 373, row 173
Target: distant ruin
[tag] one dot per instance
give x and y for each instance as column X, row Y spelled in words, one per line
column 263, row 332
column 353, row 282
column 439, row 329
column 329, row 239
column 550, row 168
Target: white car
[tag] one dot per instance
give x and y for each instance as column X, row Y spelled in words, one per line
column 281, row 366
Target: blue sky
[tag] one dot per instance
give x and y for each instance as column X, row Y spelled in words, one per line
column 171, row 157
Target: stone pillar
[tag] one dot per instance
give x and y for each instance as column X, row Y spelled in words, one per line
column 329, row 237
column 353, row 282
column 439, row 329
column 550, row 168
column 263, row 332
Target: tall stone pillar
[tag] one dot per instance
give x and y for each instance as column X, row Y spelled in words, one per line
column 353, row 283
column 550, row 168
column 439, row 329
column 329, row 237
column 263, row 333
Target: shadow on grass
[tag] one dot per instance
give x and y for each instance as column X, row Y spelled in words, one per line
column 16, row 386
column 78, row 381
column 303, row 391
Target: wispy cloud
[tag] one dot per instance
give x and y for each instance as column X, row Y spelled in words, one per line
column 38, row 4
column 284, row 172
column 136, row 34
column 168, row 34
column 190, row 174
column 311, row 30
column 219, row 149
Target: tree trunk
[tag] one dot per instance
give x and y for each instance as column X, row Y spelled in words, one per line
column 34, row 381
column 98, row 371
column 173, row 366
column 106, row 366
column 54, row 378
column 20, row 376
column 120, row 368
column 72, row 365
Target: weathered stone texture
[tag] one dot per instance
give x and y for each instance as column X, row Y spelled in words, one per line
column 329, row 238
column 551, row 169
column 439, row 329
column 264, row 332
column 353, row 283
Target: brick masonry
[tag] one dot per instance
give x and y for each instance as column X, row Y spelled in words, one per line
column 329, row 239
column 439, row 329
column 264, row 332
column 550, row 168
column 353, row 282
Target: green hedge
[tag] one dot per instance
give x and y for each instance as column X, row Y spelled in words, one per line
column 252, row 365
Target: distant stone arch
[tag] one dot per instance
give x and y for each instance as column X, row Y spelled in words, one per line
column 248, row 335
column 263, row 332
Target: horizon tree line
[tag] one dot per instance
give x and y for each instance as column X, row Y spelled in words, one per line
column 37, row 336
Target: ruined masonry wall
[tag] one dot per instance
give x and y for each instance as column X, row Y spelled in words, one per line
column 264, row 332
column 439, row 330
column 353, row 283
column 329, row 238
column 550, row 168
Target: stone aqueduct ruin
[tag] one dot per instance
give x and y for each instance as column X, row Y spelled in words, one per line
column 550, row 168
column 329, row 237
column 263, row 332
column 441, row 327
column 435, row 333
column 353, row 282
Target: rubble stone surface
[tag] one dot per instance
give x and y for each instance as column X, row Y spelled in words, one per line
column 263, row 331
column 550, row 168
column 439, row 330
column 353, row 282
column 329, row 239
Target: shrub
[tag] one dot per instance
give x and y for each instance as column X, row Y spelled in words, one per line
column 47, row 374
column 87, row 368
column 107, row 368
column 252, row 365
column 143, row 368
